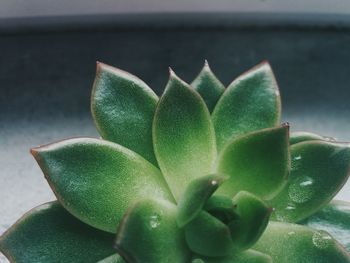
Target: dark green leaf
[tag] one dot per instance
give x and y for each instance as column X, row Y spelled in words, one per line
column 97, row 181
column 289, row 243
column 48, row 233
column 253, row 217
column 208, row 86
column 222, row 207
column 319, row 170
column 123, row 107
column 248, row 256
column 183, row 135
column 251, row 102
column 257, row 162
column 335, row 219
column 196, row 194
column 208, row 236
column 149, row 233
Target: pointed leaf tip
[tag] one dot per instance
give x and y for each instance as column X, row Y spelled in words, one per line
column 251, row 102
column 123, row 107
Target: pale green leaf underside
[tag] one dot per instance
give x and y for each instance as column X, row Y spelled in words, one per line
column 149, row 233
column 97, row 180
column 113, row 259
column 183, row 135
column 289, row 243
column 257, row 162
column 296, row 137
column 123, row 107
column 208, row 86
column 319, row 169
column 247, row 256
column 250, row 103
column 335, row 219
column 48, row 233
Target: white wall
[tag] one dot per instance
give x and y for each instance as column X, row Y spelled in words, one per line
column 20, row 8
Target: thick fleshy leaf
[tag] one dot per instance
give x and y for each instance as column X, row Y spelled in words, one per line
column 222, row 207
column 248, row 256
column 208, row 86
column 183, row 135
column 97, row 181
column 257, row 162
column 319, row 170
column 297, row 137
column 335, row 219
column 208, row 236
column 113, row 259
column 48, row 233
column 251, row 102
column 289, row 243
column 149, row 233
column 253, row 217
column 196, row 194
column 123, row 107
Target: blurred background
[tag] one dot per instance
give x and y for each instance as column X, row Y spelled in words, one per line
column 48, row 51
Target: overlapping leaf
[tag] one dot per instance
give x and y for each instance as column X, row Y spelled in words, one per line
column 97, row 180
column 123, row 107
column 319, row 169
column 183, row 135
column 251, row 102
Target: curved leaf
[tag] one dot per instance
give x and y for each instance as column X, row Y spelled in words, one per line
column 112, row 259
column 297, row 137
column 183, row 135
column 208, row 86
column 97, row 181
column 319, row 170
column 289, row 243
column 123, row 107
column 48, row 233
column 257, row 162
column 253, row 217
column 221, row 207
column 248, row 256
column 335, row 219
column 251, row 102
column 196, row 194
column 149, row 233
column 208, row 236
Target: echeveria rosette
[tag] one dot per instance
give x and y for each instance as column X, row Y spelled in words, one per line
column 192, row 176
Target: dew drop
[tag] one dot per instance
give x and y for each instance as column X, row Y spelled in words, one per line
column 297, row 158
column 291, row 233
column 214, row 182
column 322, row 239
column 154, row 221
column 290, row 207
column 301, row 189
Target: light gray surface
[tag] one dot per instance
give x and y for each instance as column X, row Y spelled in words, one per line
column 21, row 8
column 45, row 83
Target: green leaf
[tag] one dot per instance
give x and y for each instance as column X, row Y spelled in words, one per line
column 289, row 243
column 319, row 170
column 221, row 207
column 335, row 219
column 257, row 162
column 248, row 256
column 112, row 259
column 297, row 137
column 253, row 217
column 251, row 102
column 196, row 194
column 123, row 107
column 149, row 233
column 183, row 135
column 48, row 233
column 97, row 181
column 208, row 236
column 208, row 86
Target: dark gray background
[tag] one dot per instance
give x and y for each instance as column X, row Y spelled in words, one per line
column 46, row 76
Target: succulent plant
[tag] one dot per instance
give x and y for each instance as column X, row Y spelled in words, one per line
column 201, row 174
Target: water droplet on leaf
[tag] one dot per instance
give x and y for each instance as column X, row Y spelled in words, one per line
column 155, row 221
column 301, row 189
column 322, row 239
